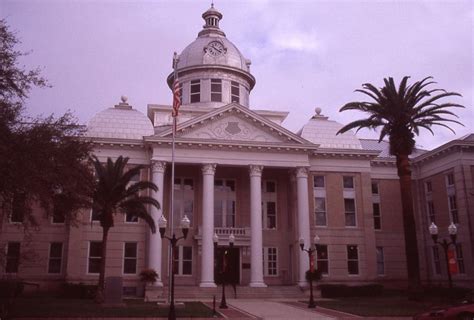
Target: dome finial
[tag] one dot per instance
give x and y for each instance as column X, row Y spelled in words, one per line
column 212, row 18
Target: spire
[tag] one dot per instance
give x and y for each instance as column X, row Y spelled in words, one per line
column 211, row 18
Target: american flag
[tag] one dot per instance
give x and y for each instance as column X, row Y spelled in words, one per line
column 176, row 98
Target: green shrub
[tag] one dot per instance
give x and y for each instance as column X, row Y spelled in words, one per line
column 316, row 275
column 341, row 290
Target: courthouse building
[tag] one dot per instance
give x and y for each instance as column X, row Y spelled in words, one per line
column 239, row 172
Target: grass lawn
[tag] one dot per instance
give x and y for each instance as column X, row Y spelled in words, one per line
column 393, row 305
column 61, row 307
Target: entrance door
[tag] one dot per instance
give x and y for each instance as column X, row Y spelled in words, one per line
column 227, row 263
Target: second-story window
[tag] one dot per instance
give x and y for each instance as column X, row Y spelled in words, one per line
column 453, row 209
column 195, row 93
column 269, row 197
column 224, row 203
column 216, row 90
column 348, row 182
column 183, row 199
column 234, row 92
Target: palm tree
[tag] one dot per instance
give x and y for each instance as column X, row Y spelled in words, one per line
column 400, row 114
column 115, row 193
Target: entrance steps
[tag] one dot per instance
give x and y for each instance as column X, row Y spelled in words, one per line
column 242, row 292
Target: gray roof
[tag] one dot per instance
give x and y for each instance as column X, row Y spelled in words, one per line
column 384, row 148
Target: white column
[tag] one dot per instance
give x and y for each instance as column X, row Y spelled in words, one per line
column 207, row 252
column 303, row 221
column 154, row 244
column 256, row 247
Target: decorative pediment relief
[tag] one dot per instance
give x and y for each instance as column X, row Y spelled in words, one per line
column 233, row 127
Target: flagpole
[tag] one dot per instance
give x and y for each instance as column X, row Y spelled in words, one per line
column 175, row 121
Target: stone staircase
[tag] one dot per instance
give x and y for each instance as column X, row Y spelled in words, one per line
column 242, row 292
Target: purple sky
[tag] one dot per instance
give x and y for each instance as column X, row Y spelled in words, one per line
column 305, row 54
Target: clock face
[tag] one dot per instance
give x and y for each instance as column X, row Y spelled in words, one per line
column 215, row 48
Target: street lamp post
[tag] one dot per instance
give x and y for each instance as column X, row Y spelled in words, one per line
column 310, row 251
column 162, row 223
column 223, row 304
column 452, row 230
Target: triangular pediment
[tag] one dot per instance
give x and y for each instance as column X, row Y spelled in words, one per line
column 234, row 122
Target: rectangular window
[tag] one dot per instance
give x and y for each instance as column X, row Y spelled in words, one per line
column 58, row 215
column 352, row 259
column 130, row 258
column 94, row 214
column 320, row 211
column 318, row 182
column 380, row 261
column 436, row 261
column 322, row 260
column 234, row 92
column 95, row 256
column 130, row 218
column 428, row 187
column 270, row 261
column 350, row 212
column 183, row 199
column 460, row 259
column 450, row 179
column 348, row 182
column 375, row 188
column 183, row 260
column 431, row 211
column 13, row 257
column 453, row 209
column 270, row 215
column 224, row 203
column 377, row 216
column 216, row 90
column 195, row 95
column 55, row 257
column 269, row 203
column 18, row 208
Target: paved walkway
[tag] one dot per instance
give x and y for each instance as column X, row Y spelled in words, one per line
column 262, row 309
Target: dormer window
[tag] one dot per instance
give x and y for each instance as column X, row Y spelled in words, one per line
column 234, row 92
column 216, row 90
column 195, row 94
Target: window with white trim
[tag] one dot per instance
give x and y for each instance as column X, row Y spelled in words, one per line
column 216, row 90
column 348, row 182
column 130, row 258
column 13, row 257
column 350, row 212
column 270, row 261
column 94, row 257
column 453, row 208
column 234, row 92
column 380, row 261
column 183, row 199
column 59, row 215
column 428, row 187
column 195, row 91
column 18, row 207
column 322, row 259
column 94, row 215
column 183, row 260
column 377, row 216
column 460, row 259
column 319, row 193
column 436, row 261
column 269, row 197
column 352, row 259
column 224, row 203
column 450, row 179
column 375, row 188
column 431, row 211
column 129, row 218
column 55, row 257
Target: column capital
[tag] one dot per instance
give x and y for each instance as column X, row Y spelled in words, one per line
column 158, row 166
column 301, row 172
column 209, row 168
column 255, row 170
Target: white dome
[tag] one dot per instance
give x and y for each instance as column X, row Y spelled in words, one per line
column 320, row 130
column 195, row 54
column 120, row 122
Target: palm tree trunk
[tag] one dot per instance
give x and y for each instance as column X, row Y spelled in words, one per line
column 101, row 285
column 409, row 227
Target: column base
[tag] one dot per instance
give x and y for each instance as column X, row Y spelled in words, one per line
column 207, row 285
column 257, row 284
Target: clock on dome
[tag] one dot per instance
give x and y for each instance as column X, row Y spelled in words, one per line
column 215, row 48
